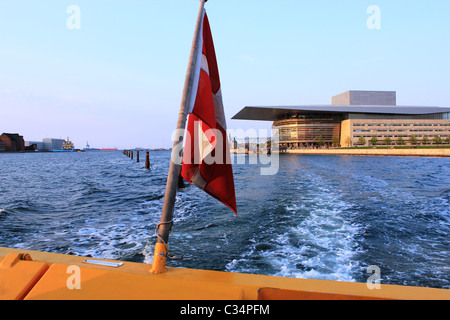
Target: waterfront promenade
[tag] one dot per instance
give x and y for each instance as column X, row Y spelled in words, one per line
column 431, row 152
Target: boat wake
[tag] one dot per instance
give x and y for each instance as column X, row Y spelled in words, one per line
column 318, row 238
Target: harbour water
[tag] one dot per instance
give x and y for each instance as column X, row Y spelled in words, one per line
column 319, row 217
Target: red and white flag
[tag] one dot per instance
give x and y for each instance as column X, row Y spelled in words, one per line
column 206, row 157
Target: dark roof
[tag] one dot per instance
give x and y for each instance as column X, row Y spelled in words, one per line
column 280, row 112
column 13, row 136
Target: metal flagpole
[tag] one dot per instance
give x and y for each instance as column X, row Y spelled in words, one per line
column 164, row 227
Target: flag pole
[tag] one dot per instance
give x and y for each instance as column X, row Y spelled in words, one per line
column 164, row 227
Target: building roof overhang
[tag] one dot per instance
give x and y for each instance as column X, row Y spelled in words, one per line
column 282, row 112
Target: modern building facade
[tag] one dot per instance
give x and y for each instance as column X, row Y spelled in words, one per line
column 39, row 145
column 47, row 144
column 354, row 118
column 51, row 144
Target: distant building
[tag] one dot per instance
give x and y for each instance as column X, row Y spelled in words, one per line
column 39, row 145
column 352, row 117
column 12, row 142
column 51, row 144
column 365, row 98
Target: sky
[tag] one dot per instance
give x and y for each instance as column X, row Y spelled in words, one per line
column 113, row 74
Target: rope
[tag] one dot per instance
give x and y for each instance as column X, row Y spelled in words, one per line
column 157, row 227
column 169, row 255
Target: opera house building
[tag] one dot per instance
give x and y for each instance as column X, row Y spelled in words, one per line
column 354, row 118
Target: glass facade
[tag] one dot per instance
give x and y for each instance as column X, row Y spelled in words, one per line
column 316, row 129
column 325, row 129
column 307, row 130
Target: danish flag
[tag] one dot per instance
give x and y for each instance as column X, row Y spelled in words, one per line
column 206, row 158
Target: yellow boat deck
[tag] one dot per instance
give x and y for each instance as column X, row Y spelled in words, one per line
column 33, row 275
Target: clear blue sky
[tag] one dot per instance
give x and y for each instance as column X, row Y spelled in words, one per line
column 117, row 81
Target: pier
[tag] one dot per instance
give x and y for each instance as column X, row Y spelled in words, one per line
column 130, row 154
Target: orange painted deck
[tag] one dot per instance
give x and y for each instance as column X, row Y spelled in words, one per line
column 33, row 275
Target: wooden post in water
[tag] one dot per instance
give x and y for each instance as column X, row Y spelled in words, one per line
column 165, row 225
column 137, row 156
column 147, row 160
column 131, row 152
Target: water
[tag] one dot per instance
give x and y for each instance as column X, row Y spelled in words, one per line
column 320, row 217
